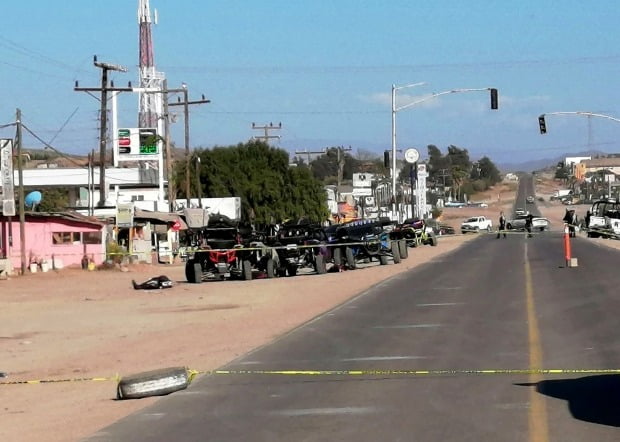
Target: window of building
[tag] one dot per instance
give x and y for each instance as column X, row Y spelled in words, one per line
column 64, row 238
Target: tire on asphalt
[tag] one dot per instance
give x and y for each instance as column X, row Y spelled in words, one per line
column 246, row 267
column 402, row 249
column 291, row 269
column 193, row 271
column 395, row 252
column 153, row 383
column 383, row 260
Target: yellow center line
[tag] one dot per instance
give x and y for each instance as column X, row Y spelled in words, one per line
column 537, row 417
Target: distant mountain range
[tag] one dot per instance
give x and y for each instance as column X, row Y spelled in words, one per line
column 545, row 163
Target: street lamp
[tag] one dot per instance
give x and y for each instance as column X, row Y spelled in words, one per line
column 394, row 110
column 494, row 105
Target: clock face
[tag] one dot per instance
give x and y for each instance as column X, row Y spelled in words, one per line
column 411, row 155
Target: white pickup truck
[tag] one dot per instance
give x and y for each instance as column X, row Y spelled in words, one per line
column 476, row 224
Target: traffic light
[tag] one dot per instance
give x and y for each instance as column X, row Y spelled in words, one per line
column 494, row 101
column 386, row 159
column 542, row 125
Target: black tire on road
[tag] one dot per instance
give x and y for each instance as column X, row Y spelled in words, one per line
column 402, row 249
column 395, row 252
column 319, row 264
column 383, row 260
column 189, row 270
column 246, row 267
column 153, row 383
column 351, row 264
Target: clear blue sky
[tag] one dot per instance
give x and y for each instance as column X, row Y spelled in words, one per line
column 324, row 69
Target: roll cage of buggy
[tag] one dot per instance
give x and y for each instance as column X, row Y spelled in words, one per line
column 225, row 249
column 363, row 240
column 299, row 244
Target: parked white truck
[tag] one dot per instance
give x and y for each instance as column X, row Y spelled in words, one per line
column 476, row 224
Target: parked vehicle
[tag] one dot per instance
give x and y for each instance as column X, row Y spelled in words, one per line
column 416, row 232
column 224, row 250
column 519, row 211
column 538, row 223
column 300, row 244
column 363, row 240
column 476, row 224
column 604, row 218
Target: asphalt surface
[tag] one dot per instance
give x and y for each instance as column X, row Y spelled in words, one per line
column 494, row 304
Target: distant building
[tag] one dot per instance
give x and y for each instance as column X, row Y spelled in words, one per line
column 595, row 165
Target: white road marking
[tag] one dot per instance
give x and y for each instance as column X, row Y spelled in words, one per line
column 409, row 326
column 438, row 304
column 325, row 411
column 382, row 358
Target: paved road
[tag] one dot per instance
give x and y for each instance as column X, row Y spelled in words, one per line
column 493, row 304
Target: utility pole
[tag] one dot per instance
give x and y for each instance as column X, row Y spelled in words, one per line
column 22, row 211
column 103, row 129
column 309, row 152
column 185, row 103
column 267, row 128
column 171, row 190
column 341, row 161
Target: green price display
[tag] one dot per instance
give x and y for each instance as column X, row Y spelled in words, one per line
column 148, row 149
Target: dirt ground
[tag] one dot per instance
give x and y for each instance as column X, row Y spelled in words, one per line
column 78, row 324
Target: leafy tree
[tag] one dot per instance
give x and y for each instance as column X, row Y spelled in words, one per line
column 53, row 200
column 488, row 171
column 269, row 188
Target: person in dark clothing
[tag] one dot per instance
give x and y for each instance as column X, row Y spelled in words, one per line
column 502, row 225
column 569, row 218
column 528, row 224
column 588, row 215
column 158, row 282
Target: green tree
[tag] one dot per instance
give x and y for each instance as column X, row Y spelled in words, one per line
column 260, row 175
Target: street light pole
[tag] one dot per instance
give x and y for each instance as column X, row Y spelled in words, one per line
column 394, row 110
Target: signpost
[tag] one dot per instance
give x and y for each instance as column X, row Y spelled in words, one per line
column 6, row 172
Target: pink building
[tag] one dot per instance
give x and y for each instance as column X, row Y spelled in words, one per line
column 60, row 239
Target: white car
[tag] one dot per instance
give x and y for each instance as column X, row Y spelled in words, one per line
column 476, row 224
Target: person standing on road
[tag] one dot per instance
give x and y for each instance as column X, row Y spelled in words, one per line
column 502, row 225
column 528, row 224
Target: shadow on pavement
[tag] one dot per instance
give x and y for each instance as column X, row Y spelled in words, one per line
column 593, row 399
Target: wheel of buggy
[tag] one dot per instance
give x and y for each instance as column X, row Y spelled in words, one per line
column 402, row 249
column 432, row 239
column 291, row 270
column 193, row 271
column 383, row 260
column 246, row 267
column 319, row 264
column 350, row 257
column 337, row 256
column 153, row 383
column 270, row 268
column 395, row 252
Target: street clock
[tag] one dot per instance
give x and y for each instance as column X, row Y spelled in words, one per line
column 411, row 156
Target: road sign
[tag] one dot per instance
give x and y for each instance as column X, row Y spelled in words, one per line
column 6, row 173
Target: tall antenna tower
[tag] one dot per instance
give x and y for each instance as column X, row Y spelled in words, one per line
column 151, row 104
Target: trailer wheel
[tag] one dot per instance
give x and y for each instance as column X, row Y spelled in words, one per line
column 246, row 268
column 395, row 252
column 402, row 249
column 153, row 383
column 319, row 264
column 351, row 264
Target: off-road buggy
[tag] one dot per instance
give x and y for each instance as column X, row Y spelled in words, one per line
column 224, row 249
column 299, row 244
column 415, row 232
column 363, row 241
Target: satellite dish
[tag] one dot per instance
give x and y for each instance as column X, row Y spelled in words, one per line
column 33, row 198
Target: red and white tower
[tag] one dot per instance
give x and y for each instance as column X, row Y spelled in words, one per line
column 151, row 104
